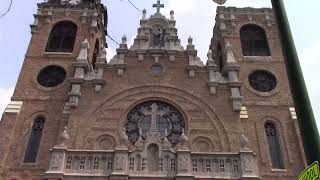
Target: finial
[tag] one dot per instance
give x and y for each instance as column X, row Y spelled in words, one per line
column 166, row 142
column 172, row 15
column 230, row 56
column 190, row 41
column 183, row 139
column 144, row 14
column 85, row 44
column 244, row 141
column 103, row 53
column 63, row 137
column 166, row 133
column 209, row 55
column 124, row 39
column 228, row 46
column 123, row 137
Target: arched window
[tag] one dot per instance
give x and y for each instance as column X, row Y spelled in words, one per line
column 62, row 37
column 34, row 140
column 220, row 58
column 95, row 54
column 254, row 41
column 274, row 146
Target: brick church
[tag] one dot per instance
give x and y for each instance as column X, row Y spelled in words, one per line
column 155, row 110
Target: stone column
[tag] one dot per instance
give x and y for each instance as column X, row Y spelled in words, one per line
column 191, row 53
column 184, row 159
column 81, row 66
column 58, row 158
column 212, row 68
column 232, row 68
column 122, row 50
column 99, row 81
column 121, row 156
column 184, row 165
column 249, row 165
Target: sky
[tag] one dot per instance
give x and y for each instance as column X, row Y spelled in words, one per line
column 194, row 18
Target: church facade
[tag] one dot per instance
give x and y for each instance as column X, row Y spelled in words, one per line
column 155, row 110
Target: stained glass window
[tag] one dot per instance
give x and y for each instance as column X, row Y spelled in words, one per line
column 34, row 140
column 262, row 81
column 254, row 41
column 274, row 146
column 62, row 37
column 167, row 118
column 51, row 76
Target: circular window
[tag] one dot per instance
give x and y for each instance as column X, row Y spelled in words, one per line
column 156, row 70
column 154, row 116
column 51, row 76
column 262, row 81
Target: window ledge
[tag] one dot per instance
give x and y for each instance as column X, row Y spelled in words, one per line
column 257, row 58
column 57, row 54
column 279, row 170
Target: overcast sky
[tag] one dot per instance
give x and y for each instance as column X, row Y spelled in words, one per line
column 194, row 17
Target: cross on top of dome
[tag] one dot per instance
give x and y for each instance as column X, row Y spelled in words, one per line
column 158, row 6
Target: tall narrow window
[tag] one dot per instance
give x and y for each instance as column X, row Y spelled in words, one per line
column 34, row 140
column 254, row 41
column 62, row 37
column 95, row 54
column 274, row 146
column 220, row 58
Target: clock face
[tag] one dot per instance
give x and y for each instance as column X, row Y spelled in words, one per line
column 51, row 76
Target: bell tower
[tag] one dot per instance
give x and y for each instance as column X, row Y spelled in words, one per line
column 68, row 39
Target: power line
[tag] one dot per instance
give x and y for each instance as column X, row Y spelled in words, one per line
column 112, row 39
column 134, row 6
column 9, row 8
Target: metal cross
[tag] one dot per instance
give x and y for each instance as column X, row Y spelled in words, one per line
column 154, row 113
column 158, row 6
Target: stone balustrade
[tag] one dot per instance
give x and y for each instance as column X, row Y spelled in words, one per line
column 92, row 163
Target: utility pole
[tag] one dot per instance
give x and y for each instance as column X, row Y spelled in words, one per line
column 307, row 123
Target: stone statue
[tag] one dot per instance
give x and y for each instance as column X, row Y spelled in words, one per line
column 158, row 38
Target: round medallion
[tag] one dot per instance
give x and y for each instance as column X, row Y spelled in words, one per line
column 154, row 116
column 51, row 76
column 262, row 81
column 156, row 70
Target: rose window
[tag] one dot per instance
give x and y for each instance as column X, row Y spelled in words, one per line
column 262, row 81
column 154, row 116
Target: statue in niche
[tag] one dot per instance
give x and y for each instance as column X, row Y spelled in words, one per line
column 153, row 157
column 158, row 37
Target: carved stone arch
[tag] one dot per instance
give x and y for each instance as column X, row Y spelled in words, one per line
column 202, row 144
column 158, row 19
column 121, row 103
column 258, row 24
column 105, row 142
column 282, row 135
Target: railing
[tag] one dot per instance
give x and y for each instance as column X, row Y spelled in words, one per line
column 135, row 164
column 216, row 165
